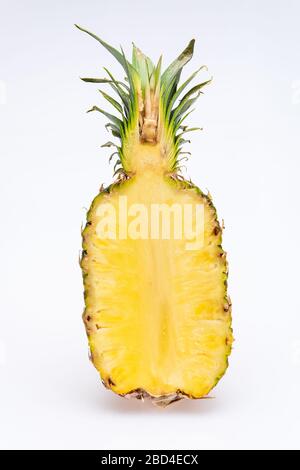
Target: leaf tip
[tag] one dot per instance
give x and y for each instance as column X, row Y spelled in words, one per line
column 191, row 45
column 93, row 108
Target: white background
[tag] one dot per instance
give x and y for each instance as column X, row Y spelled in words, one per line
column 52, row 166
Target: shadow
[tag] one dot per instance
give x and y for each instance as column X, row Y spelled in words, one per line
column 119, row 405
column 93, row 395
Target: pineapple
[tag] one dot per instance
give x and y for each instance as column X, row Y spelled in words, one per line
column 157, row 314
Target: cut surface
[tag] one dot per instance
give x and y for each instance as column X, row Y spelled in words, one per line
column 156, row 313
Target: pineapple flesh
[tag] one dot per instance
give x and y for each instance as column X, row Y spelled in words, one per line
column 157, row 314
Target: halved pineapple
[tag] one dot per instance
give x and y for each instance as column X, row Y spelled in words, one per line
column 157, row 314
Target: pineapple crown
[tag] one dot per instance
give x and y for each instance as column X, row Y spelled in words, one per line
column 150, row 104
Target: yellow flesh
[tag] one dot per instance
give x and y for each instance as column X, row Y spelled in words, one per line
column 156, row 313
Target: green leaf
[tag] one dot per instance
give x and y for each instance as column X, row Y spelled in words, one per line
column 95, row 80
column 109, row 144
column 103, row 80
column 143, row 66
column 118, row 172
column 182, row 159
column 182, row 87
column 135, row 85
column 195, row 89
column 113, row 129
column 150, row 66
column 117, row 55
column 177, row 125
column 113, row 102
column 134, row 59
column 111, row 117
column 191, row 129
column 176, row 66
column 181, row 141
column 118, row 163
column 169, row 89
column 122, row 94
column 143, row 78
column 183, row 107
column 140, row 66
column 112, row 155
column 157, row 72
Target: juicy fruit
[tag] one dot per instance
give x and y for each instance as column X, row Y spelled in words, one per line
column 157, row 314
